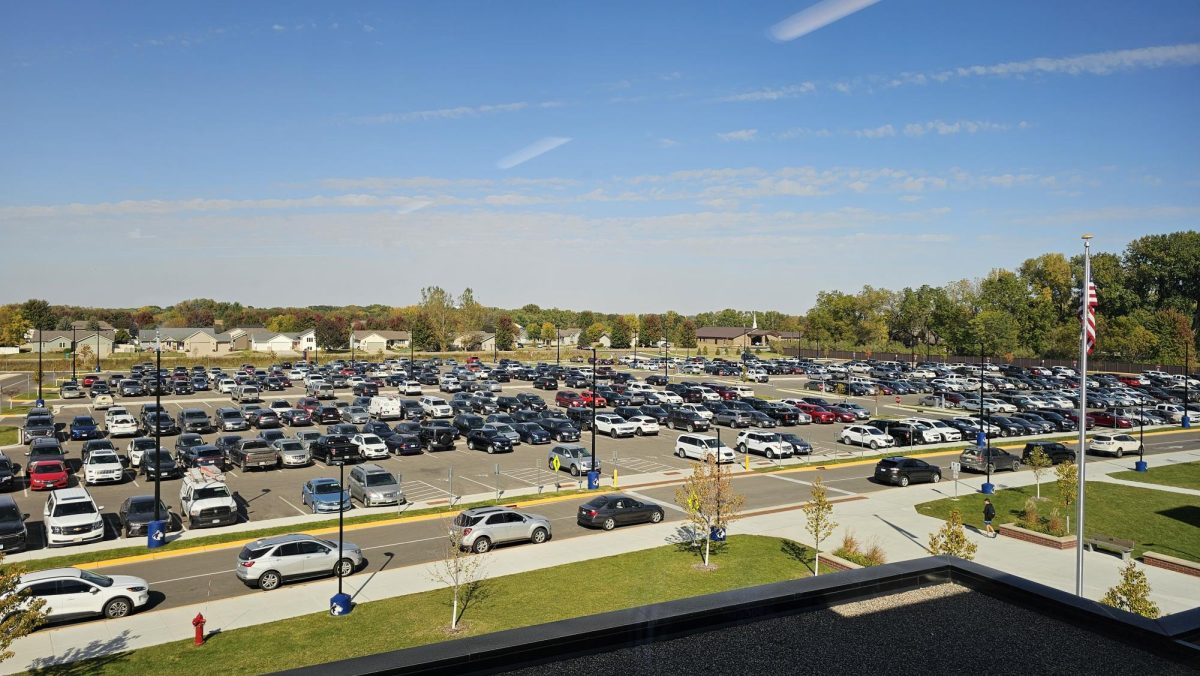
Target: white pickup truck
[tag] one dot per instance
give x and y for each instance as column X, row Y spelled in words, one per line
column 205, row 500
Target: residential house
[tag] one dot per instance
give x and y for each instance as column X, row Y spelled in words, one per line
column 195, row 341
column 476, row 341
column 733, row 336
column 60, row 341
column 378, row 341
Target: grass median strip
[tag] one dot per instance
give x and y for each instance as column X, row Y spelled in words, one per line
column 518, row 600
column 114, row 556
column 8, row 435
column 1155, row 520
column 1182, row 475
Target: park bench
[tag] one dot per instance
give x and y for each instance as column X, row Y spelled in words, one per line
column 1111, row 544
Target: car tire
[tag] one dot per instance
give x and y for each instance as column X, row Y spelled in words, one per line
column 741, row 448
column 481, row 545
column 638, row 432
column 1119, row 452
column 269, row 580
column 343, row 568
column 491, row 449
column 680, row 453
column 904, row 481
column 609, row 524
column 874, row 445
column 118, row 607
column 691, row 427
column 575, row 470
column 991, row 468
column 936, row 478
column 539, row 535
column 671, row 424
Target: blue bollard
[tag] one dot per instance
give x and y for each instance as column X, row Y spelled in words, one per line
column 1187, row 422
column 156, row 534
column 1141, row 466
column 988, row 488
column 593, row 480
column 340, row 605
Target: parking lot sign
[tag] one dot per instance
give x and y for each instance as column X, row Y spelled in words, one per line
column 555, row 463
column 954, row 468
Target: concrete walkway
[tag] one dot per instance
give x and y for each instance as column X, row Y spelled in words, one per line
column 887, row 517
column 1143, row 484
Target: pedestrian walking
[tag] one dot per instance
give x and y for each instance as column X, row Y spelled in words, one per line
column 989, row 513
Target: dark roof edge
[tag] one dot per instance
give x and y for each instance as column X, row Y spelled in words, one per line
column 513, row 648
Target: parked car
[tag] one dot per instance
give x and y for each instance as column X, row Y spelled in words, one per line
column 1057, row 452
column 701, row 447
column 616, row 509
column 14, row 536
column 768, row 444
column 323, row 495
column 71, row 516
column 103, row 466
column 488, row 438
column 988, row 459
column 136, row 513
column 269, row 562
column 44, row 475
column 481, row 528
column 866, row 435
column 373, row 485
column 903, row 471
column 574, row 459
column 71, row 593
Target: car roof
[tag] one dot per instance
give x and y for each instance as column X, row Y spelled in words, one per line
column 280, row 539
column 71, row 494
column 50, row 574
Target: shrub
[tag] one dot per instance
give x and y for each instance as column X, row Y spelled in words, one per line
column 1031, row 518
column 1056, row 525
column 851, row 550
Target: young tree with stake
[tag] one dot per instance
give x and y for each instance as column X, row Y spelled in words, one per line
column 819, row 521
column 951, row 539
column 462, row 572
column 709, row 500
column 1038, row 463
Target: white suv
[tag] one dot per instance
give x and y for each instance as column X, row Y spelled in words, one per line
column 698, row 410
column 122, row 426
column 1113, row 444
column 615, row 426
column 701, row 447
column 370, row 446
column 940, row 430
column 436, row 407
column 769, row 444
column 71, row 593
column 865, row 435
column 71, row 517
column 102, row 466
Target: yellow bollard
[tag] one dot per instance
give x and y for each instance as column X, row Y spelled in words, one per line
column 614, row 478
column 747, row 461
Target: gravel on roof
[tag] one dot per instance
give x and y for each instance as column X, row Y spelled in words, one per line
column 942, row 629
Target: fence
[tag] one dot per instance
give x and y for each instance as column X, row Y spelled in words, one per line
column 1095, row 363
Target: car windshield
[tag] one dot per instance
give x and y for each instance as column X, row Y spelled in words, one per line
column 48, row 468
column 370, row 439
column 709, row 443
column 208, row 492
column 145, row 507
column 327, row 488
column 96, row 579
column 291, row 446
column 103, row 459
column 381, row 479
column 74, row 508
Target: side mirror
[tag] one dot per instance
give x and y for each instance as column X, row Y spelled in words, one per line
column 24, row 517
column 94, row 590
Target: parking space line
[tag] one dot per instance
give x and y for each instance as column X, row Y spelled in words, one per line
column 285, row 501
column 809, row 483
column 490, row 487
column 190, row 577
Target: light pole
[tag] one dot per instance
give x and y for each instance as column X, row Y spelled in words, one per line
column 42, row 402
column 72, row 351
column 157, row 423
column 1187, row 344
column 97, row 349
column 988, row 487
column 1140, row 465
column 665, row 376
column 341, row 518
column 558, row 348
column 593, row 471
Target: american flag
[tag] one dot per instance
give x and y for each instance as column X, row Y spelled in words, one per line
column 1089, row 318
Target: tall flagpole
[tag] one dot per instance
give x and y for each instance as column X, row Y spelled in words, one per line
column 1081, row 455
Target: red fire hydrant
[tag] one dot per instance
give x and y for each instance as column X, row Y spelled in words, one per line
column 198, row 623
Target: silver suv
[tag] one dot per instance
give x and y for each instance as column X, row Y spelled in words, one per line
column 575, row 459
column 373, row 485
column 268, row 562
column 481, row 528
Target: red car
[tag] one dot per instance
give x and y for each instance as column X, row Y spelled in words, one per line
column 843, row 415
column 818, row 413
column 90, row 380
column 1106, row 419
column 47, row 475
column 568, row 399
column 309, row 404
column 587, row 396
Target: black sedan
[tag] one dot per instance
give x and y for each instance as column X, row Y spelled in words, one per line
column 160, row 463
column 137, row 512
column 488, row 440
column 295, row 417
column 532, row 401
column 531, row 433
column 610, row 511
column 403, row 444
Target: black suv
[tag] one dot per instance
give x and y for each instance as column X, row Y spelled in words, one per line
column 465, row 422
column 437, row 435
column 689, row 420
column 334, row 449
column 1057, row 452
column 489, row 440
column 532, row 401
column 560, row 429
column 903, row 471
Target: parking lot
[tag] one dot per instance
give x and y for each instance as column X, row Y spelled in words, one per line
column 441, row 477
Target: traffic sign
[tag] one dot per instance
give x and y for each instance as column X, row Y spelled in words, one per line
column 556, row 463
column 954, row 469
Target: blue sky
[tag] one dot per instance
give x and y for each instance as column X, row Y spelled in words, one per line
column 617, row 156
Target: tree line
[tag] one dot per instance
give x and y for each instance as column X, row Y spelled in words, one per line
column 1149, row 307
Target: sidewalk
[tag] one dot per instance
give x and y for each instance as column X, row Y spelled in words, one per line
column 886, row 516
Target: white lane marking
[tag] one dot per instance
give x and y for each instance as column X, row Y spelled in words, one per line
column 189, row 577
column 668, row 505
column 809, row 483
column 301, row 511
column 406, row 542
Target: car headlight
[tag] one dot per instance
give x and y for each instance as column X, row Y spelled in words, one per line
column 56, row 530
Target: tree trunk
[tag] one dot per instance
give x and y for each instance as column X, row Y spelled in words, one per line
column 816, row 562
column 454, row 611
column 707, row 540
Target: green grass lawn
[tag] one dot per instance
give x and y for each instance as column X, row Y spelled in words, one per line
column 1168, row 523
column 183, row 545
column 524, row 599
column 8, row 435
column 1181, row 475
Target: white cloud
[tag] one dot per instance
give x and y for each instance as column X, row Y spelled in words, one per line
column 539, row 147
column 773, row 94
column 667, row 143
column 739, row 135
column 278, row 28
column 816, row 17
column 368, row 28
column 958, row 127
column 442, row 113
column 878, row 132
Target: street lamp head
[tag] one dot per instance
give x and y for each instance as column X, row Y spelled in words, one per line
column 1086, row 237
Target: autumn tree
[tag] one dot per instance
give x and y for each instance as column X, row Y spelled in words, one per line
column 687, row 334
column 332, row 334
column 463, row 572
column 619, row 335
column 505, row 332
column 38, row 314
column 1067, row 480
column 549, row 333
column 1132, row 593
column 818, row 513
column 13, row 325
column 951, row 539
column 708, row 498
column 1038, row 463
column 438, row 308
column 20, row 613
